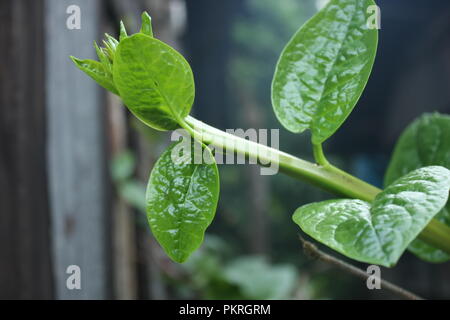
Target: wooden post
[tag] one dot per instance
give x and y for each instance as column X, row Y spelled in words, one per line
column 76, row 162
column 123, row 224
column 25, row 267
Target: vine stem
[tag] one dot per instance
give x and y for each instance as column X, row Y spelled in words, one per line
column 313, row 252
column 325, row 175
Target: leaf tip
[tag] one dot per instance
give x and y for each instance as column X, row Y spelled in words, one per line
column 75, row 60
column 177, row 255
column 123, row 31
column 99, row 51
column 146, row 27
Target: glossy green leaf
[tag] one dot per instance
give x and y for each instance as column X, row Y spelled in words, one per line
column 154, row 81
column 324, row 68
column 425, row 142
column 97, row 71
column 181, row 202
column 146, row 27
column 379, row 233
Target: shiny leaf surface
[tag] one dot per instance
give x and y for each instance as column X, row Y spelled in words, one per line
column 425, row 142
column 181, row 202
column 324, row 68
column 379, row 233
column 154, row 81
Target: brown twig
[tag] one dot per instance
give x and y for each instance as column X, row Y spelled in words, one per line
column 312, row 251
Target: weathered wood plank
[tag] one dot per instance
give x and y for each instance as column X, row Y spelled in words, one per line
column 76, row 161
column 123, row 224
column 25, row 267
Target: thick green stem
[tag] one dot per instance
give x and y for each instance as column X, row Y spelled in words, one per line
column 324, row 175
column 436, row 234
column 327, row 177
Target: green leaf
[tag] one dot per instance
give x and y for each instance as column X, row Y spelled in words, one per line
column 111, row 44
column 146, row 27
column 427, row 252
column 181, row 201
column 425, row 142
column 379, row 233
column 104, row 59
column 154, row 81
column 96, row 71
column 324, row 68
column 123, row 31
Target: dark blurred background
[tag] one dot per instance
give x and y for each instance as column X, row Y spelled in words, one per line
column 74, row 163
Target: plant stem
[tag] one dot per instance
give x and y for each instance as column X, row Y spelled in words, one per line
column 436, row 234
column 326, row 176
column 319, row 155
column 312, row 251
